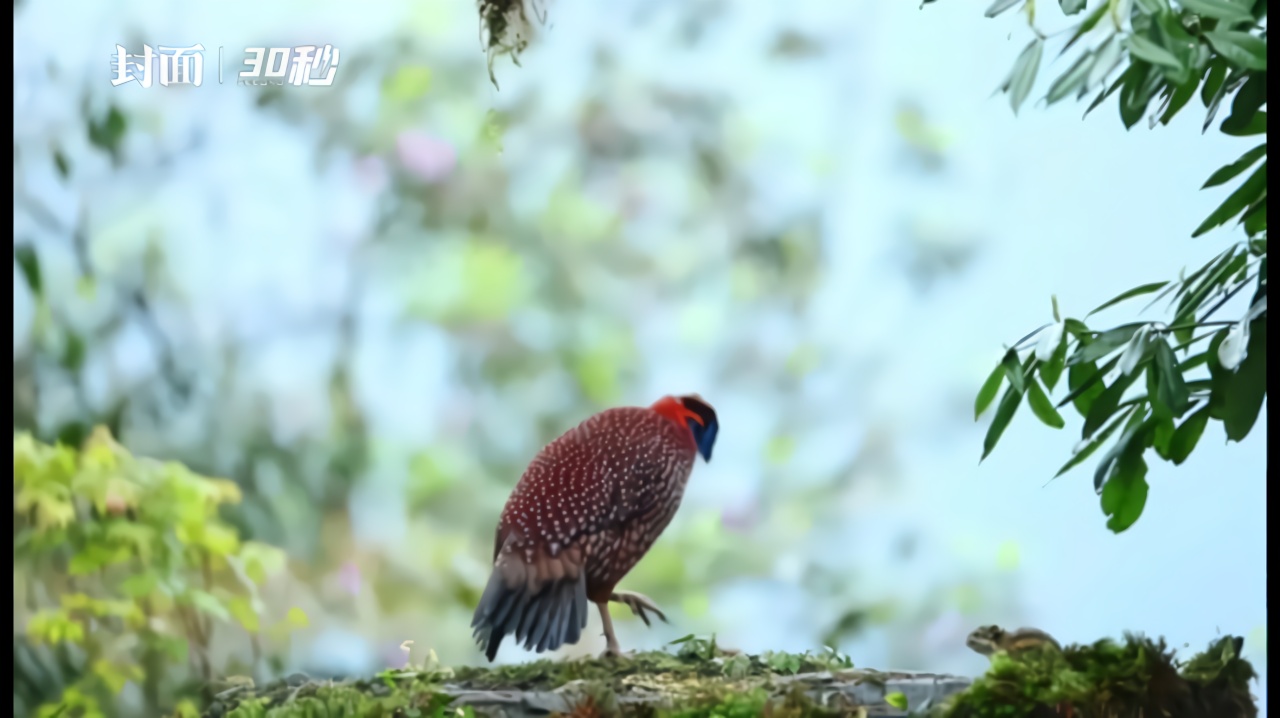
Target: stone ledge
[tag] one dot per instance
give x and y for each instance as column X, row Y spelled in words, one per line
column 842, row 691
column 1133, row 677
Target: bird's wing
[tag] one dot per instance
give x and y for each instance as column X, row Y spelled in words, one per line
column 638, row 489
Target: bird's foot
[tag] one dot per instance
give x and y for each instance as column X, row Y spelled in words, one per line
column 639, row 604
column 614, row 653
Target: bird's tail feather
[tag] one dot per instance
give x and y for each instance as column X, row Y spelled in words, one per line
column 542, row 617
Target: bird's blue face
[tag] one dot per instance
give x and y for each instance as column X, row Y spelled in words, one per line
column 704, row 427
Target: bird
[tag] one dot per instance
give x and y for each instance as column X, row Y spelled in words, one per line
column 588, row 507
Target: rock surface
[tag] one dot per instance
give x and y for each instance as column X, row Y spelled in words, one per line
column 839, row 691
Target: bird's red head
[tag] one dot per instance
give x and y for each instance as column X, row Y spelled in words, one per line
column 692, row 412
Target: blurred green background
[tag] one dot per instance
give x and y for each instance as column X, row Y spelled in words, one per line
column 370, row 304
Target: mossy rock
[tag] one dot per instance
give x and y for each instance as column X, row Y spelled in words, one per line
column 1136, row 677
column 696, row 680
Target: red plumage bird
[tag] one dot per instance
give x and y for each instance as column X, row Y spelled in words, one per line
column 589, row 506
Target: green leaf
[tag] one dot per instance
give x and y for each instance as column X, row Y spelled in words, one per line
column 1093, row 444
column 1257, row 125
column 1144, row 49
column 245, row 613
column 106, row 134
column 296, row 618
column 1023, row 76
column 1125, row 493
column 1107, row 92
column 29, row 262
column 1077, row 328
column 1240, row 48
column 987, row 393
column 1085, row 382
column 1109, row 55
column 1246, row 194
column 1107, row 403
column 1042, row 407
column 88, row 560
column 1071, row 7
column 1249, row 99
column 1135, row 292
column 1161, row 436
column 1072, row 79
column 1206, row 280
column 897, row 699
column 1032, row 333
column 208, row 603
column 1051, row 370
column 1193, row 361
column 1228, row 172
column 1013, row 370
column 139, row 584
column 73, row 352
column 1187, row 435
column 1104, row 344
column 1004, row 414
column 1171, row 388
column 1223, row 90
column 1136, row 92
column 1132, row 428
column 1255, row 218
column 1163, row 293
column 1000, row 6
column 1213, row 82
column 1181, row 97
column 1246, row 387
column 61, row 163
column 1090, row 21
column 1225, row 10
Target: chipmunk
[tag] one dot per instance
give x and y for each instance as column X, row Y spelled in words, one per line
column 989, row 640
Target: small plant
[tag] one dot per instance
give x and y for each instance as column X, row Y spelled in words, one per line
column 692, row 647
column 128, row 568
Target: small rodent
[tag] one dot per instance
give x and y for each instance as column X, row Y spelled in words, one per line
column 989, row 640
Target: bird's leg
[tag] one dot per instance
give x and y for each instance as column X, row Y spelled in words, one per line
column 638, row 603
column 611, row 641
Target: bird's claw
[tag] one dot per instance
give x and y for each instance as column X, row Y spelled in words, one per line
column 639, row 604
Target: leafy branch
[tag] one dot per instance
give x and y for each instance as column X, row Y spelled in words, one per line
column 1155, row 384
column 130, row 569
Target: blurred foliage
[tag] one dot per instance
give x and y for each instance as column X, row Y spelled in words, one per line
column 557, row 254
column 1218, row 50
column 124, row 571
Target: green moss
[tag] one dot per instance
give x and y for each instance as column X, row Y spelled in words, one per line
column 752, row 704
column 1138, row 676
column 697, row 680
column 402, row 694
column 1133, row 677
column 694, row 660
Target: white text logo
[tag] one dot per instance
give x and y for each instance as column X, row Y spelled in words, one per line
column 303, row 65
